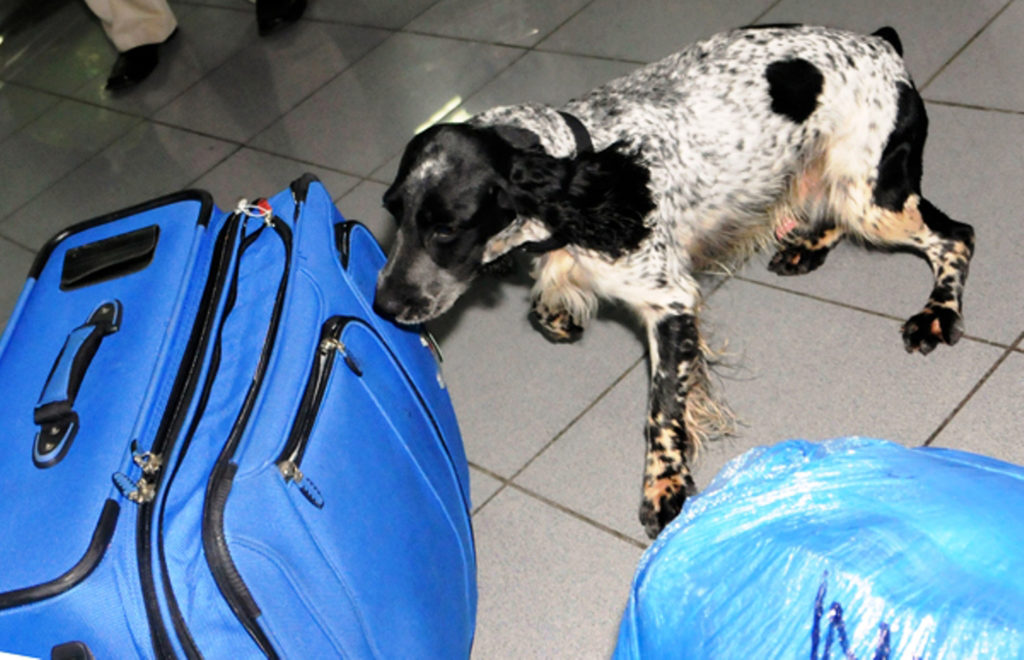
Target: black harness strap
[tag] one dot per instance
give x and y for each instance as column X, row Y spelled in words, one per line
column 579, row 133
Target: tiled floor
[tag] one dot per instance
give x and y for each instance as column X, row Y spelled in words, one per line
column 553, row 432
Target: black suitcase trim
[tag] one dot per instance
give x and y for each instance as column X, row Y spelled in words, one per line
column 218, row 557
column 182, row 392
column 90, row 560
column 203, row 197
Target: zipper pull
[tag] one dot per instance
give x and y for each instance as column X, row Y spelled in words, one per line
column 147, row 460
column 291, row 472
column 257, row 209
column 329, row 344
column 140, row 491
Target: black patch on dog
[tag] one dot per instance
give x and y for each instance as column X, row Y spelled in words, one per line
column 899, row 169
column 889, row 34
column 597, row 201
column 794, row 86
column 944, row 226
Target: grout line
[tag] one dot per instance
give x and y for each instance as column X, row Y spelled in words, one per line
column 977, row 386
column 579, row 516
column 855, row 308
column 765, row 12
column 970, row 41
column 970, row 106
column 590, row 406
column 220, row 162
column 526, row 51
column 139, row 121
column 16, row 243
column 507, row 481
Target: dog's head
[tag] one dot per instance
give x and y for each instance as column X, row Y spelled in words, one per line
column 465, row 195
column 450, row 198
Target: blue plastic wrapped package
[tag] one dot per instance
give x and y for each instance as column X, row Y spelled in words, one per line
column 852, row 548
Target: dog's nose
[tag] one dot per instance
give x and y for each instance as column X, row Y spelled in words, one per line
column 386, row 305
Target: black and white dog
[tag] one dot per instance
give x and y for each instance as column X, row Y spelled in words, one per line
column 786, row 136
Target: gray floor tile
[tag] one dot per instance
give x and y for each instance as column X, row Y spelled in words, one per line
column 988, row 73
column 647, row 30
column 206, row 37
column 248, row 173
column 596, row 468
column 20, row 106
column 551, row 78
column 363, row 117
column 806, row 369
column 513, row 390
column 550, row 585
column 514, row 22
column 378, row 13
column 42, row 152
column 81, row 53
column 991, row 423
column 967, row 161
column 31, row 31
column 14, row 264
column 363, row 203
column 149, row 161
column 931, row 30
column 481, row 487
column 268, row 78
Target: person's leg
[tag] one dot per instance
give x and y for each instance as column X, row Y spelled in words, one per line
column 136, row 28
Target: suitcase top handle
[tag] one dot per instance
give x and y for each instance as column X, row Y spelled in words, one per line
column 54, row 412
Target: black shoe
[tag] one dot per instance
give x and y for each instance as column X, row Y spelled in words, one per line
column 273, row 14
column 134, row 65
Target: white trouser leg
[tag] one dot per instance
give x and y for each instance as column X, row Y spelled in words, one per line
column 131, row 23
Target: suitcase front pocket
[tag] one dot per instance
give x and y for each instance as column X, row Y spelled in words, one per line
column 375, row 497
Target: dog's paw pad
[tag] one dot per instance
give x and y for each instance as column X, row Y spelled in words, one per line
column 558, row 326
column 924, row 331
column 796, row 260
column 663, row 500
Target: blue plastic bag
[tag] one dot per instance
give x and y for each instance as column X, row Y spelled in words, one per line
column 852, row 548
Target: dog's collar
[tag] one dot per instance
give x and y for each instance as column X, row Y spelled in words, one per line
column 579, row 133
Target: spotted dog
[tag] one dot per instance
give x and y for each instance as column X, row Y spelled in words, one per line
column 789, row 137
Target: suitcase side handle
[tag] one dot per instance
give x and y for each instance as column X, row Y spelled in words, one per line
column 54, row 412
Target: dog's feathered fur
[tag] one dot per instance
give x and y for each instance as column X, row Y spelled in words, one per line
column 784, row 136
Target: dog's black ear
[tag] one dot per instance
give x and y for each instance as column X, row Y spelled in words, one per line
column 519, row 138
column 598, row 200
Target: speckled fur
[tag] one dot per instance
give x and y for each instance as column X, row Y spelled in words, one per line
column 729, row 175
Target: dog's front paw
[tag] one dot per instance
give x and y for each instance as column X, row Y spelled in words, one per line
column 663, row 500
column 796, row 260
column 924, row 331
column 556, row 324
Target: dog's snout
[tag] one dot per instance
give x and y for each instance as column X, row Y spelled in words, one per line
column 398, row 301
column 387, row 305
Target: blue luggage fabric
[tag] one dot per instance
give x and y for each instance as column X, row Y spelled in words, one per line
column 214, row 448
column 853, row 548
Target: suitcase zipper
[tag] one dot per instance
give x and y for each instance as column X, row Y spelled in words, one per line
column 218, row 556
column 182, row 393
column 290, row 460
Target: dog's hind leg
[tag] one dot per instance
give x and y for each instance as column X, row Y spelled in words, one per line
column 681, row 415
column 562, row 300
column 898, row 217
column 947, row 245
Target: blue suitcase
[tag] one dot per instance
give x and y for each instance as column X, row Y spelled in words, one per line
column 212, row 447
